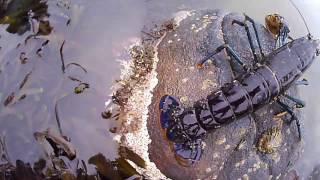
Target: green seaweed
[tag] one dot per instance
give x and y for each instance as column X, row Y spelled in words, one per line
column 81, row 87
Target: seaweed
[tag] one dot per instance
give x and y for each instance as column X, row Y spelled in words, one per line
column 44, row 28
column 56, row 111
column 17, row 13
column 76, row 64
column 127, row 153
column 62, row 58
column 117, row 169
column 60, row 144
column 106, row 114
column 81, row 87
column 41, row 48
column 23, row 58
column 113, row 129
column 25, row 79
column 9, row 99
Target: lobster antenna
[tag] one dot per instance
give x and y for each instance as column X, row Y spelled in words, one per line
column 295, row 6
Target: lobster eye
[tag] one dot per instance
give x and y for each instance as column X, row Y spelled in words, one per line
column 317, row 52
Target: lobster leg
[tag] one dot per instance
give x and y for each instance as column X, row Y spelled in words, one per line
column 282, row 37
column 247, row 18
column 288, row 109
column 249, row 38
column 302, row 82
column 298, row 103
column 289, row 37
column 230, row 52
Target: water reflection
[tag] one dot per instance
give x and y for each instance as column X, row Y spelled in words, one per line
column 94, row 35
column 34, row 59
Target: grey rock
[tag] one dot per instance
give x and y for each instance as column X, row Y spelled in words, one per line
column 231, row 151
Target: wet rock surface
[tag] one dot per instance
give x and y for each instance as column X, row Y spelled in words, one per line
column 315, row 174
column 232, row 151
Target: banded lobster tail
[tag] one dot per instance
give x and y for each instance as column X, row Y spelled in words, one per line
column 260, row 85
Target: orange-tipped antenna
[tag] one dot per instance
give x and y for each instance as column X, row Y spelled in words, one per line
column 305, row 23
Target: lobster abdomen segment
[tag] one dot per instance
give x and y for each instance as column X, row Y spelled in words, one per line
column 236, row 100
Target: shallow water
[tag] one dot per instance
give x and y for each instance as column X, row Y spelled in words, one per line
column 98, row 33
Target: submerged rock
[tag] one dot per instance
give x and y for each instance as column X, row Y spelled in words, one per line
column 315, row 174
column 230, row 152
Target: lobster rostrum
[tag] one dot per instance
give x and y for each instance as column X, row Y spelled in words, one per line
column 258, row 86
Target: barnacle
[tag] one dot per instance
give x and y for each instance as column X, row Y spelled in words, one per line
column 270, row 140
column 241, row 144
column 206, row 84
column 273, row 23
column 184, row 99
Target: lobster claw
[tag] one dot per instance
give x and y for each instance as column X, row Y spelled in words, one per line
column 168, row 105
column 182, row 129
column 170, row 109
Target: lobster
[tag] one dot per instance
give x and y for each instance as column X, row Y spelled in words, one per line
column 259, row 85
